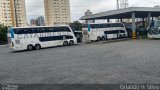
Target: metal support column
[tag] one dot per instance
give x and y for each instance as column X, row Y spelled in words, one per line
column 152, row 19
column 108, row 20
column 149, row 19
column 121, row 20
column 94, row 20
column 143, row 22
column 133, row 26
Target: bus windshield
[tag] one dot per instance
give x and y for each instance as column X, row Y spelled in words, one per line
column 157, row 23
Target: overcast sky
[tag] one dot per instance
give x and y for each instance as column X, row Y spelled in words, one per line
column 35, row 8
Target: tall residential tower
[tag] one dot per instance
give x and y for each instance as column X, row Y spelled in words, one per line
column 122, row 4
column 57, row 12
column 12, row 11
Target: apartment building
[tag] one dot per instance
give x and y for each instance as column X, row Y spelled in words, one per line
column 8, row 16
column 57, row 12
column 39, row 21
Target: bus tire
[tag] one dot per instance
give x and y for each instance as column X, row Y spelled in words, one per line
column 71, row 42
column 30, row 47
column 106, row 37
column 124, row 36
column 120, row 36
column 103, row 38
column 65, row 43
column 98, row 38
column 37, row 46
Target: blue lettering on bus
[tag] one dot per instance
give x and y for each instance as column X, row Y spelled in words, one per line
column 89, row 28
column 12, row 32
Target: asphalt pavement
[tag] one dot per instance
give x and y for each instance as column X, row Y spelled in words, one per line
column 94, row 63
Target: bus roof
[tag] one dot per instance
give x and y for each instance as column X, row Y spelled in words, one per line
column 106, row 23
column 42, row 26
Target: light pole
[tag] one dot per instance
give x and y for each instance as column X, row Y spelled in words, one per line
column 117, row 4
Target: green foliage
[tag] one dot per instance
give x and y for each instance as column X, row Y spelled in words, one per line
column 3, row 33
column 76, row 26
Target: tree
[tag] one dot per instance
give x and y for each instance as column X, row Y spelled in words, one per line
column 3, row 33
column 76, row 26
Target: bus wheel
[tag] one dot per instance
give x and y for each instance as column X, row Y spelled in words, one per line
column 106, row 37
column 103, row 38
column 124, row 36
column 30, row 47
column 98, row 39
column 37, row 46
column 71, row 42
column 120, row 36
column 65, row 43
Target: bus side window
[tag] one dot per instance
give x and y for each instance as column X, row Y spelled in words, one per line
column 121, row 25
column 15, row 31
column 24, row 31
column 60, row 29
column 37, row 30
column 122, row 31
column 92, row 26
column 67, row 29
column 34, row 30
column 57, row 29
column 118, row 25
column 53, row 29
column 108, row 25
column 50, row 30
column 101, row 25
column 21, row 31
column 46, row 29
column 42, row 30
column 114, row 25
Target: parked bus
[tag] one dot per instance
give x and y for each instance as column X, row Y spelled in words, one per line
column 154, row 30
column 29, row 38
column 104, row 31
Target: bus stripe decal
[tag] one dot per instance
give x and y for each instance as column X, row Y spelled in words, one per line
column 89, row 28
column 12, row 32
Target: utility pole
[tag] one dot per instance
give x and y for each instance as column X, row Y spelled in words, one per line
column 15, row 11
column 117, row 4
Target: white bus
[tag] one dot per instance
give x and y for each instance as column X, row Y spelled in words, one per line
column 29, row 38
column 104, row 31
column 154, row 30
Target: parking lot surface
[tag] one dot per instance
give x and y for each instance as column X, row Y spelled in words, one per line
column 93, row 63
